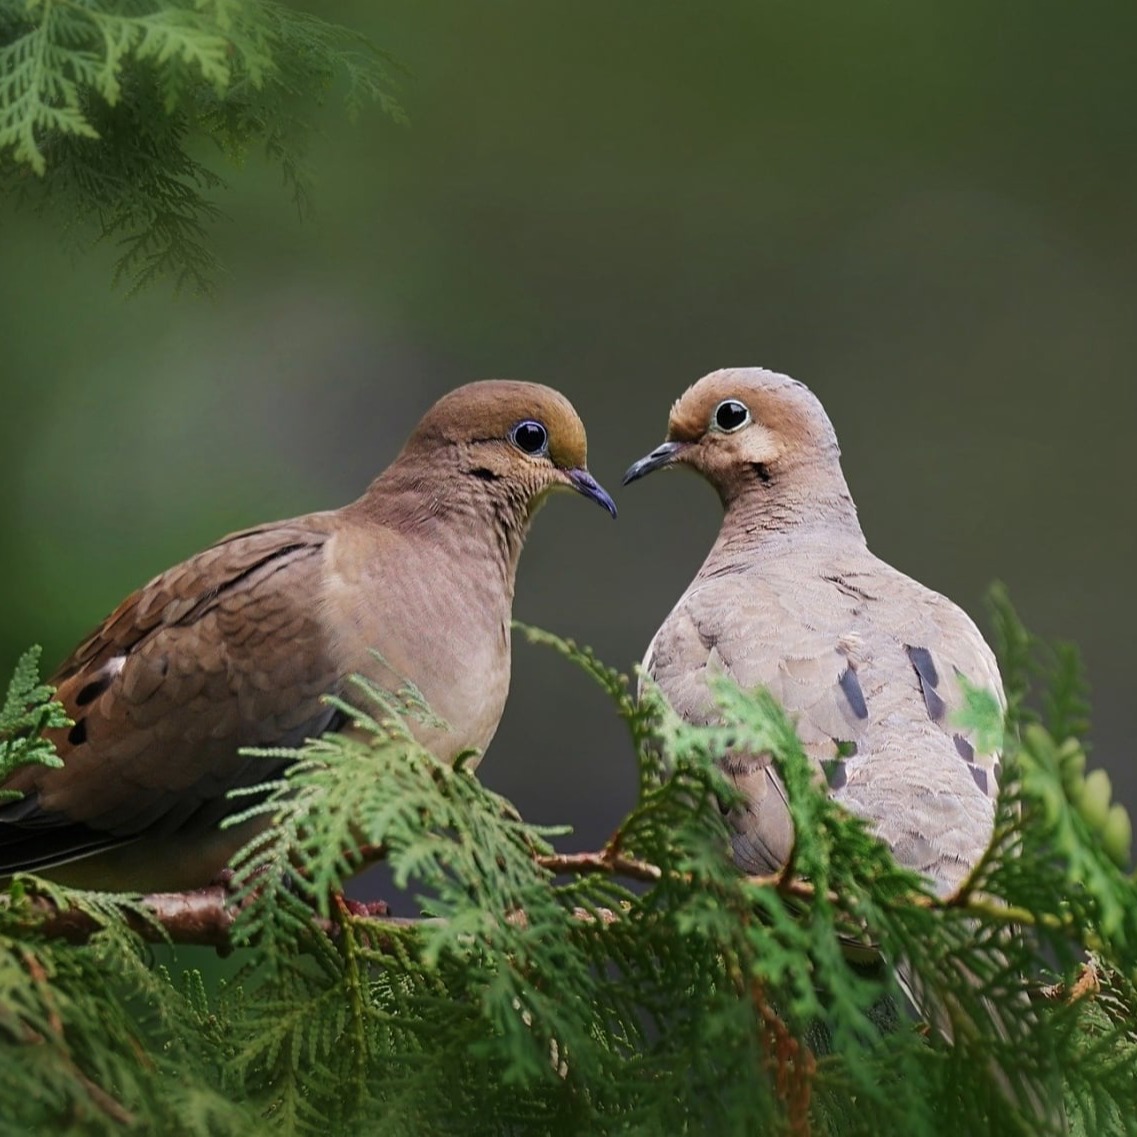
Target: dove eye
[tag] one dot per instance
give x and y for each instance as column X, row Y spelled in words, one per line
column 730, row 414
column 530, row 436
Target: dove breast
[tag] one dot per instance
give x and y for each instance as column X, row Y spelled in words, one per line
column 846, row 652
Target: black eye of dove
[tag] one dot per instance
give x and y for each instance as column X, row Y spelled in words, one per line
column 730, row 414
column 530, row 436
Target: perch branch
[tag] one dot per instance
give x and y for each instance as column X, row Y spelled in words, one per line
column 205, row 917
column 202, row 918
column 605, row 862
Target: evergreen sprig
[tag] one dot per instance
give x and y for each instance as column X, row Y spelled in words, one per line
column 27, row 711
column 648, row 987
column 103, row 103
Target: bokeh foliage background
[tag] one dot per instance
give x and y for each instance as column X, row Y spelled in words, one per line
column 926, row 212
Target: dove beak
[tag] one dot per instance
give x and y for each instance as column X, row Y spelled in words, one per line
column 584, row 483
column 660, row 457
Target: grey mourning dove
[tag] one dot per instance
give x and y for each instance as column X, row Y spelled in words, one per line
column 867, row 660
column 236, row 646
column 790, row 598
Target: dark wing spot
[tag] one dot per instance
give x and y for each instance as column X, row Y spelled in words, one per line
column 966, row 750
column 925, row 668
column 706, row 637
column 851, row 685
column 93, row 689
column 934, row 704
column 835, row 773
column 847, row 588
column 77, row 735
column 980, row 776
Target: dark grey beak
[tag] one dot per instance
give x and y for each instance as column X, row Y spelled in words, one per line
column 661, row 456
column 583, row 482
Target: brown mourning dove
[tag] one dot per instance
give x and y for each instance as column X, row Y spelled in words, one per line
column 236, row 646
column 865, row 659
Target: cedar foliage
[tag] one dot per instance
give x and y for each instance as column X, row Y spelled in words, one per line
column 105, row 106
column 696, row 1001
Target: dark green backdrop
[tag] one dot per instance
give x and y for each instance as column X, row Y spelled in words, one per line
column 925, row 211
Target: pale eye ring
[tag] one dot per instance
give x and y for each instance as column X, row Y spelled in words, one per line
column 730, row 415
column 530, row 436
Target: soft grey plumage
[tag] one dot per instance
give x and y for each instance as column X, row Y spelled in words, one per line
column 865, row 659
column 790, row 598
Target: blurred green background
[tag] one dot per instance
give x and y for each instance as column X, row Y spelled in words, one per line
column 924, row 211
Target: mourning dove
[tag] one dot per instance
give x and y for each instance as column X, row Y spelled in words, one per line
column 865, row 659
column 236, row 646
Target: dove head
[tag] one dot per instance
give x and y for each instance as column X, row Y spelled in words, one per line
column 751, row 433
column 512, row 443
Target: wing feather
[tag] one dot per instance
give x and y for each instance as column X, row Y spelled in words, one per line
column 223, row 651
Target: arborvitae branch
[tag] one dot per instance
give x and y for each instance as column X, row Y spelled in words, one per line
column 540, row 994
column 205, row 917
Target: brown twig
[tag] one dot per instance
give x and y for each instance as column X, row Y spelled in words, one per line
column 203, row 918
column 608, row 861
column 1087, row 983
column 206, row 917
column 790, row 1061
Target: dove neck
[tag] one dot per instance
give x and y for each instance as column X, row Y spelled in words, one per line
column 474, row 522
column 778, row 501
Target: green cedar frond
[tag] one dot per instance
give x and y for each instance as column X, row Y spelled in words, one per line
column 27, row 711
column 102, row 101
column 980, row 717
column 686, row 999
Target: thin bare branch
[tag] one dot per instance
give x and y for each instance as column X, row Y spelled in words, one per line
column 607, row 861
column 205, row 917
